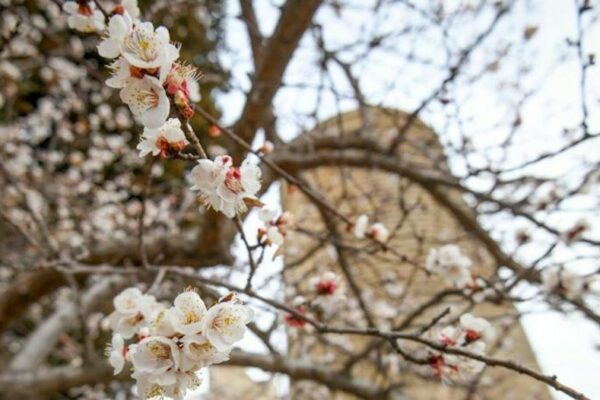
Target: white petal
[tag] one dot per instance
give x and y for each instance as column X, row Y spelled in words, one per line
column 117, row 361
column 162, row 34
column 109, row 48
column 131, row 6
column 71, row 7
column 226, row 194
column 275, row 236
column 156, row 117
column 267, row 214
column 202, row 175
column 360, row 227
column 119, row 26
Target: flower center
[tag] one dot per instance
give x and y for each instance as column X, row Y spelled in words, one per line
column 85, row 9
column 191, row 317
column 202, row 349
column 436, row 362
column 136, row 319
column 472, row 336
column 143, row 45
column 295, row 321
column 233, row 180
column 141, row 72
column 160, row 350
column 155, row 391
column 170, row 149
column 447, row 341
column 119, row 9
column 326, row 287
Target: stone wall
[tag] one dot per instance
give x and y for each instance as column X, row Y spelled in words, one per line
column 389, row 285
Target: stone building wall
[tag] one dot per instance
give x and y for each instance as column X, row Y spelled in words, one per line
column 389, row 285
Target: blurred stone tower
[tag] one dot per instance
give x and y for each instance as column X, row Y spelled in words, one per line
column 392, row 287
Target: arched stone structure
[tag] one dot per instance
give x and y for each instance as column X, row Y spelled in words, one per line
column 418, row 222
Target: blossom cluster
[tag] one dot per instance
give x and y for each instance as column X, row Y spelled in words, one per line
column 146, row 70
column 224, row 187
column 451, row 264
column 328, row 291
column 276, row 226
column 472, row 334
column 376, row 231
column 556, row 279
column 325, row 296
column 170, row 345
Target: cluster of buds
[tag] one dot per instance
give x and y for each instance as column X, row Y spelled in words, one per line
column 172, row 344
column 182, row 84
column 471, row 334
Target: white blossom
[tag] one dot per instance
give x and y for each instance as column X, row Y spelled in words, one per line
column 174, row 344
column 449, row 336
column 156, row 355
column 162, row 324
column 147, row 100
column 132, row 8
column 225, row 323
column 172, row 384
column 326, row 284
column 560, row 280
column 199, row 352
column 167, row 140
column 379, row 232
column 147, row 48
column 470, row 335
column 476, row 328
column 376, row 231
column 116, row 353
column 576, row 232
column 120, row 73
column 128, row 301
column 187, row 313
column 84, row 16
column 329, row 292
column 119, row 26
column 276, row 228
column 267, row 214
column 225, row 187
column 360, row 226
column 451, row 264
column 133, row 311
